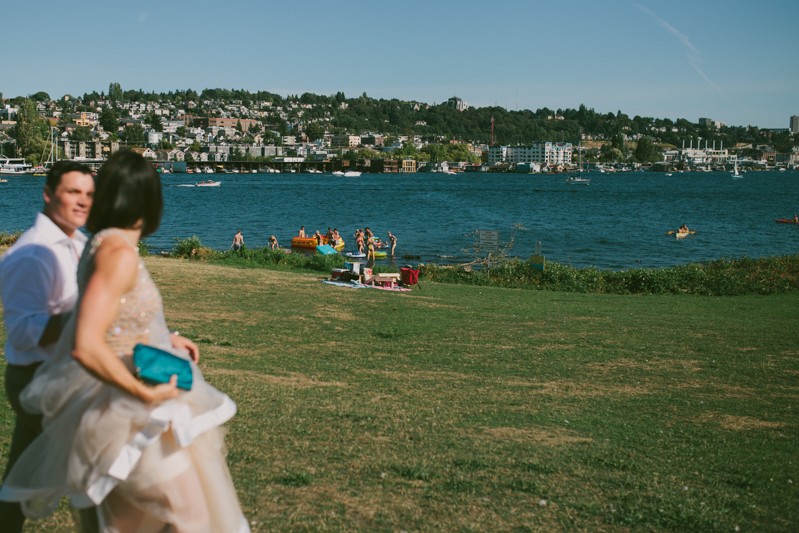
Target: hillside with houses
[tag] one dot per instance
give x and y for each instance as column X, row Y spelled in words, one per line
column 222, row 128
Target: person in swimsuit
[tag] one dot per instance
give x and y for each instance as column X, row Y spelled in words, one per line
column 238, row 241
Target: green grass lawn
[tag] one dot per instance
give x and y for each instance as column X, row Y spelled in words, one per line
column 465, row 408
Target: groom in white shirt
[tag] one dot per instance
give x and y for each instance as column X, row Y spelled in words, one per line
column 39, row 289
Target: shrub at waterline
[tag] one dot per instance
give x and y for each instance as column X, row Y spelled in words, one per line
column 769, row 275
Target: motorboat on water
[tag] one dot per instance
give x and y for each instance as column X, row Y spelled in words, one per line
column 14, row 165
column 578, row 180
column 208, row 183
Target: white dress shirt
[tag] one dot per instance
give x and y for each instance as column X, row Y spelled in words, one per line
column 38, row 279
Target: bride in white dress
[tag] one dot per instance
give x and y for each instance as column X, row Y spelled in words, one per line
column 151, row 458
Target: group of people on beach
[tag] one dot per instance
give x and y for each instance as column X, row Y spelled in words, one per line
column 131, row 455
column 365, row 240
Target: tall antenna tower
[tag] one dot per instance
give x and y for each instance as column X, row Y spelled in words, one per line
column 492, row 131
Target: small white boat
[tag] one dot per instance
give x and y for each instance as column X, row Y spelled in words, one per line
column 208, row 183
column 338, row 173
column 578, row 180
column 352, row 174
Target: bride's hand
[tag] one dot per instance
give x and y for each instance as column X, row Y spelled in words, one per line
column 161, row 393
column 182, row 343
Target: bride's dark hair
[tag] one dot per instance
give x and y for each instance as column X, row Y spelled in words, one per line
column 127, row 189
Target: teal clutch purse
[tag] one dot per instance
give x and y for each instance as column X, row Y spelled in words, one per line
column 154, row 366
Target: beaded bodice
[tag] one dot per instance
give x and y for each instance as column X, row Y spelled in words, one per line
column 138, row 308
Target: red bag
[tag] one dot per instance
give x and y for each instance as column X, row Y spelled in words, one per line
column 409, row 276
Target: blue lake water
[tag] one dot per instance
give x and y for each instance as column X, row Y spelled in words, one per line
column 618, row 221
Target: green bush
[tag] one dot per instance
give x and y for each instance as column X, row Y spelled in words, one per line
column 192, row 248
column 717, row 278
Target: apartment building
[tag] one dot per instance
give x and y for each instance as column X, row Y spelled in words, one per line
column 226, row 122
column 345, row 141
column 548, row 153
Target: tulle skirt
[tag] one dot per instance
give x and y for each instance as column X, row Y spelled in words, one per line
column 143, row 466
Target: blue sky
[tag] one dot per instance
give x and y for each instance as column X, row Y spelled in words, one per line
column 733, row 61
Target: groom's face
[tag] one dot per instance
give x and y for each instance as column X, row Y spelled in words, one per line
column 69, row 204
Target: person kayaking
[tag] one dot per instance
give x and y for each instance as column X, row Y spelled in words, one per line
column 683, row 229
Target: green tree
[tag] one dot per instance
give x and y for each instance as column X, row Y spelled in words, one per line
column 81, row 133
column 783, row 143
column 368, row 153
column 460, row 152
column 41, row 96
column 115, row 93
column 30, row 131
column 646, row 151
column 436, row 152
column 314, row 130
column 109, row 119
column 134, row 134
column 154, row 121
column 408, row 150
column 271, row 138
column 609, row 154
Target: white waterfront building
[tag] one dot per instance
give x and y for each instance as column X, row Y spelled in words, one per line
column 545, row 154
